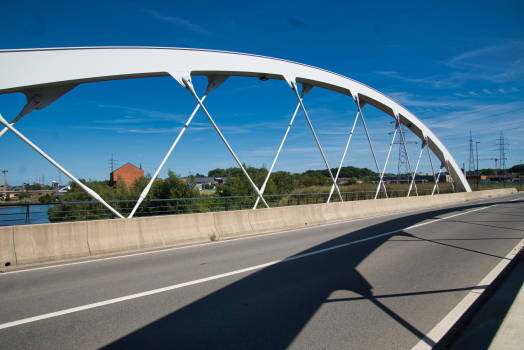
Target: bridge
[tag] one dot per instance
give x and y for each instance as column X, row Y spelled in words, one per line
column 379, row 273
column 61, row 70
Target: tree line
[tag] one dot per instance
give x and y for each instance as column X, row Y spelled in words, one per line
column 174, row 187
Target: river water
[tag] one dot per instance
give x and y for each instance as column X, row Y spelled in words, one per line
column 10, row 216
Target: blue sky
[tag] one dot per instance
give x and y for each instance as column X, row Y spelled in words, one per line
column 458, row 66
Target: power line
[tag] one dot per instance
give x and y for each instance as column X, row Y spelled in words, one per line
column 491, row 128
column 475, row 104
column 468, row 98
column 477, row 72
column 475, row 119
column 500, row 104
column 484, row 133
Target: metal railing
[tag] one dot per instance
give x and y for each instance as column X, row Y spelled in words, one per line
column 35, row 213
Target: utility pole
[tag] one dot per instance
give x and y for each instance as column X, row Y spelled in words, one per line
column 402, row 156
column 503, row 148
column 112, row 161
column 5, row 184
column 477, row 147
column 471, row 158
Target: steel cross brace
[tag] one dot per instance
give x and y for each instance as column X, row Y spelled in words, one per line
column 418, row 162
column 451, row 177
column 432, row 169
column 407, row 156
column 278, row 152
column 89, row 191
column 148, row 187
column 436, row 181
column 369, row 140
column 294, row 87
column 343, row 156
column 397, row 124
column 213, row 83
column 187, row 81
column 31, row 105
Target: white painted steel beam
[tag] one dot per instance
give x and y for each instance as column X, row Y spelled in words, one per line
column 294, row 86
column 213, row 83
column 89, row 191
column 148, row 187
column 436, row 181
column 387, row 159
column 416, row 168
column 71, row 66
column 343, row 156
column 278, row 152
column 407, row 157
column 432, row 169
column 186, row 81
column 370, row 144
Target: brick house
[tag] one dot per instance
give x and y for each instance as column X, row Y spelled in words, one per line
column 128, row 172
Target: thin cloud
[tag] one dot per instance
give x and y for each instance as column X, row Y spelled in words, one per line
column 179, row 22
column 433, row 80
column 149, row 113
column 484, row 51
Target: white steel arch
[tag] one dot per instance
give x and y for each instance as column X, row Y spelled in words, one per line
column 44, row 75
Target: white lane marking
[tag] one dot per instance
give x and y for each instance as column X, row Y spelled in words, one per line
column 249, row 236
column 236, row 272
column 454, row 315
column 229, row 240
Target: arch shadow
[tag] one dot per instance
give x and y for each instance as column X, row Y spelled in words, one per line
column 270, row 307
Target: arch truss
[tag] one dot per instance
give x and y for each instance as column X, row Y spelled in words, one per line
column 44, row 75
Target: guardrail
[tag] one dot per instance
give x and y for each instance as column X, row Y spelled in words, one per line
column 29, row 213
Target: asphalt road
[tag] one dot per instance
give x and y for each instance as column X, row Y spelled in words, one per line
column 375, row 283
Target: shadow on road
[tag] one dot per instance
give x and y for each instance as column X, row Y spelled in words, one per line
column 270, row 307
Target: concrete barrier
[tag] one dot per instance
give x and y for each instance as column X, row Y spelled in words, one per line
column 50, row 242
column 232, row 223
column 7, row 247
column 335, row 211
column 21, row 245
column 111, row 236
column 285, row 218
column 185, row 228
column 274, row 219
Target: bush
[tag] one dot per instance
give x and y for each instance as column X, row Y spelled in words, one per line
column 46, row 198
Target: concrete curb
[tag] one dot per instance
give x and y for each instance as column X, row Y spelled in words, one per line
column 458, row 327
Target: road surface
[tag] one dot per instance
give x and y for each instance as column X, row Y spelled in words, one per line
column 376, row 283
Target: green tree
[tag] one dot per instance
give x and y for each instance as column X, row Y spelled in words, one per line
column 23, row 195
column 351, row 181
column 217, row 173
column 46, row 198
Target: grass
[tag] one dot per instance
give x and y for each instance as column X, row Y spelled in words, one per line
column 313, row 192
column 213, row 236
column 494, row 186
